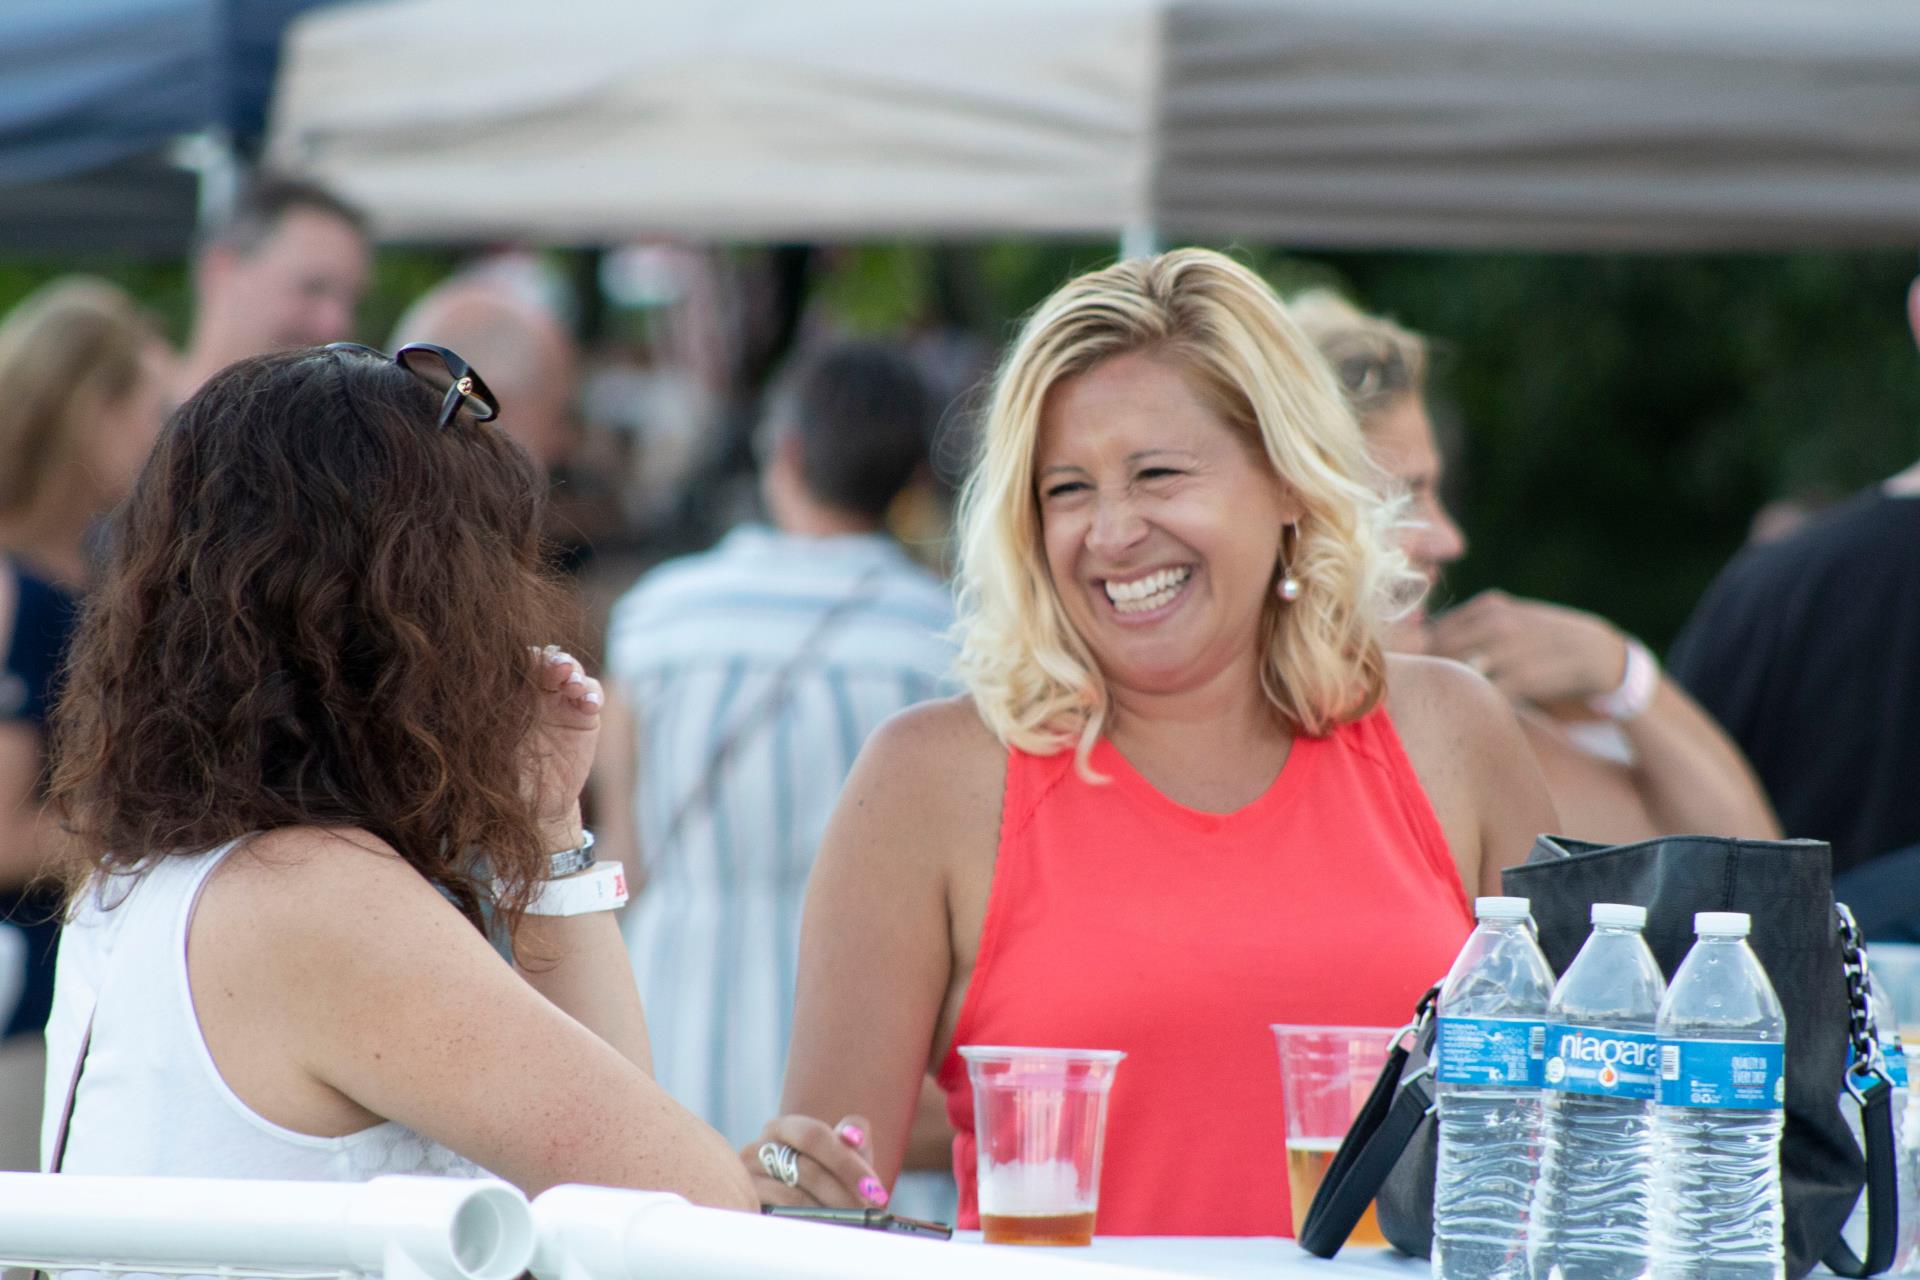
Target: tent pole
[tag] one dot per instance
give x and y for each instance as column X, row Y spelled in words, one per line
column 216, row 162
column 1139, row 239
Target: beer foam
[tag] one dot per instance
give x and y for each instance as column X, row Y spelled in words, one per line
column 1026, row 1190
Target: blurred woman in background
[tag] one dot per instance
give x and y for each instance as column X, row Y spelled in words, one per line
column 84, row 378
column 1626, row 753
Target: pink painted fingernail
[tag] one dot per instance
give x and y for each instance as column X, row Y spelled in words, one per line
column 853, row 1135
column 592, row 698
column 874, row 1192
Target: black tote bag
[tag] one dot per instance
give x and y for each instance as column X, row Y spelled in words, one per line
column 1786, row 886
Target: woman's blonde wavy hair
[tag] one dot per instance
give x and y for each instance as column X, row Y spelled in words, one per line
column 1031, row 675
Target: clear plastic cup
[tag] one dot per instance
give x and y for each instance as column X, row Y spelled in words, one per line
column 1040, row 1120
column 1326, row 1074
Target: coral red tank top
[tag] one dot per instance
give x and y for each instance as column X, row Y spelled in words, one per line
column 1119, row 919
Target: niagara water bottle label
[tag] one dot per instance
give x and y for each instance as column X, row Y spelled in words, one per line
column 1607, row 1063
column 1489, row 1051
column 1736, row 1075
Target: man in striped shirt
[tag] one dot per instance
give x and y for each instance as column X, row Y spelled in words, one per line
column 752, row 674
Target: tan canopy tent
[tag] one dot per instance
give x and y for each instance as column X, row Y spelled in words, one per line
column 1504, row 123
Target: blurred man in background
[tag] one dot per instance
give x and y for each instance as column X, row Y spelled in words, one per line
column 286, row 269
column 752, row 674
column 1808, row 650
column 496, row 315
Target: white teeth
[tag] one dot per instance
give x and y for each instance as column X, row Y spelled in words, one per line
column 1151, row 592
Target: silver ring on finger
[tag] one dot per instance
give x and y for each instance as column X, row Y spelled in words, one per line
column 781, row 1161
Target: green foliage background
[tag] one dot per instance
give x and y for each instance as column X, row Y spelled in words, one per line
column 1619, row 418
column 1616, row 420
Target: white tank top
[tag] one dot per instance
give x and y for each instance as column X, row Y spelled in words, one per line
column 151, row 1101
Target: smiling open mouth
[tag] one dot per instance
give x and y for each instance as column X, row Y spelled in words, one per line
column 1144, row 595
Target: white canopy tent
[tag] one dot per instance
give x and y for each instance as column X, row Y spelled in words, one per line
column 1580, row 124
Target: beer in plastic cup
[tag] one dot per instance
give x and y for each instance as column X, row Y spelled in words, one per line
column 1326, row 1074
column 1040, row 1120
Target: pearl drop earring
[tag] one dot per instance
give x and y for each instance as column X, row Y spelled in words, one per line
column 1289, row 587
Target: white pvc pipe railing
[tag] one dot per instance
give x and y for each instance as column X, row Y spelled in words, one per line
column 411, row 1228
column 599, row 1233
column 405, row 1228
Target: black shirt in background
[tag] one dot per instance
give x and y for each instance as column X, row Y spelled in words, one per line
column 1808, row 652
column 43, row 622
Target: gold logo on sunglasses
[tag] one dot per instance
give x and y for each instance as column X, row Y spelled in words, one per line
column 464, row 386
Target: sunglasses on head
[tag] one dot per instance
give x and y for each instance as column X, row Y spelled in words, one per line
column 442, row 370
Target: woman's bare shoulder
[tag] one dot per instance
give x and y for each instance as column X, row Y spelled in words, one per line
column 310, row 860
column 1422, row 689
column 1467, row 747
column 1443, row 705
column 1455, row 728
column 309, row 892
column 934, row 771
column 937, row 747
column 302, row 934
column 942, row 724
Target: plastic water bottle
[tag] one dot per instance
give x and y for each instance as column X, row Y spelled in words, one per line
column 1717, row 1212
column 1489, row 1050
column 1591, row 1208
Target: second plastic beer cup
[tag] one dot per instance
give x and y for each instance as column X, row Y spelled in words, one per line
column 1326, row 1074
column 1040, row 1120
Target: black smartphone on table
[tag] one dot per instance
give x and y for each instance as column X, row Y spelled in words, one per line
column 869, row 1219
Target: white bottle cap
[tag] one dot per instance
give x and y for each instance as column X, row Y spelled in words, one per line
column 1620, row 915
column 1722, row 924
column 1502, row 908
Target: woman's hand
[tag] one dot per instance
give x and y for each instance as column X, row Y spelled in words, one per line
column 560, row 749
column 832, row 1167
column 1532, row 651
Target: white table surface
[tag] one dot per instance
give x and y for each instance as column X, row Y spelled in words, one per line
column 1267, row 1257
column 1235, row 1257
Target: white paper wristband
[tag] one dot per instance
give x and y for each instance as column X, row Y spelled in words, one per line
column 1636, row 689
column 602, row 887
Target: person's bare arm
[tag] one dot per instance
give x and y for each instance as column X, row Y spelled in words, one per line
column 1596, row 799
column 1687, row 774
column 25, row 829
column 332, row 980
column 1474, row 764
column 29, row 836
column 1692, row 776
column 616, row 772
column 569, row 960
column 875, row 951
column 930, row 1145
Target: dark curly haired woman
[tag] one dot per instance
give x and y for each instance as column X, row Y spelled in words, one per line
column 314, row 746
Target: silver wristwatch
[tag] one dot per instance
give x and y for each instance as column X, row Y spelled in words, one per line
column 568, row 861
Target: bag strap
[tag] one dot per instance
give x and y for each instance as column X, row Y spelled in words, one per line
column 763, row 712
column 1380, row 1133
column 1876, row 1122
column 59, row 1154
column 1872, row 1088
